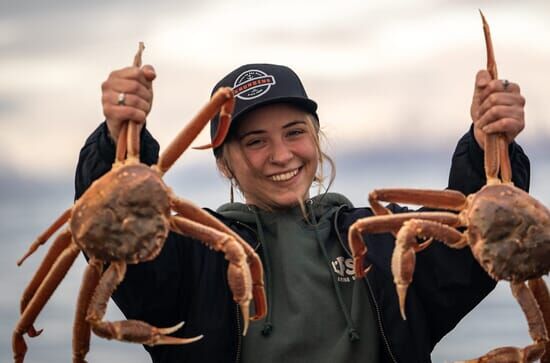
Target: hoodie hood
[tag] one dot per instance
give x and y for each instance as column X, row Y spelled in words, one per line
column 323, row 207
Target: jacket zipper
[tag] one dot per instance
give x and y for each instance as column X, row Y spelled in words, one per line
column 379, row 318
column 376, row 307
column 239, row 335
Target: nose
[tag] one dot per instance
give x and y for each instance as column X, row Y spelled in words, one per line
column 280, row 153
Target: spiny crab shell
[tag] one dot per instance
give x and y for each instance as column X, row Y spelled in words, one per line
column 509, row 232
column 123, row 216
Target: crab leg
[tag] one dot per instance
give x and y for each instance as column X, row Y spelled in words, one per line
column 537, row 330
column 133, row 127
column 387, row 223
column 58, row 246
column 238, row 273
column 121, row 144
column 441, row 199
column 496, row 148
column 191, row 211
column 135, row 331
column 222, row 99
column 541, row 294
column 46, row 235
column 406, row 247
column 43, row 294
column 81, row 328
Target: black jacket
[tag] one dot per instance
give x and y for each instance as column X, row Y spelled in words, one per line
column 187, row 282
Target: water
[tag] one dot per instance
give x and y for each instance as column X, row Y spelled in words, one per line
column 26, row 209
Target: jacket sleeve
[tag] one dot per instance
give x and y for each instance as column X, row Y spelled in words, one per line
column 451, row 281
column 467, row 173
column 151, row 290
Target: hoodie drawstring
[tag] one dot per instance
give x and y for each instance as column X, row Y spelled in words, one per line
column 353, row 334
column 268, row 325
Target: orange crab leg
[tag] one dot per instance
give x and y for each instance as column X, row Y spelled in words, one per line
column 406, row 247
column 58, row 246
column 386, row 223
column 81, row 328
column 441, row 199
column 222, row 99
column 121, row 144
column 239, row 277
column 496, row 148
column 41, row 297
column 537, row 330
column 542, row 295
column 40, row 240
column 191, row 211
column 133, row 127
column 135, row 331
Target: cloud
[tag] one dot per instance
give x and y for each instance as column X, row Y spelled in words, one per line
column 384, row 74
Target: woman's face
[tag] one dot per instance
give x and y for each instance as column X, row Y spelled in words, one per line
column 273, row 155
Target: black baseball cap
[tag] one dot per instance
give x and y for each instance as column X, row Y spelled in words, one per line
column 261, row 84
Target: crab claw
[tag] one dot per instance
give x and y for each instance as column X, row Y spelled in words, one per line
column 530, row 353
column 161, row 336
column 224, row 122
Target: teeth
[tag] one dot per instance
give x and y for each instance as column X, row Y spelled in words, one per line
column 284, row 176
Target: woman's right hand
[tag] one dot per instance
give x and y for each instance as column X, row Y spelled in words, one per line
column 137, row 86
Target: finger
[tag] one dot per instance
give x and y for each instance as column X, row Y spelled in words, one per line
column 130, row 100
column 149, row 73
column 129, row 87
column 501, row 99
column 122, row 113
column 509, row 126
column 142, row 75
column 498, row 86
column 500, row 112
column 482, row 79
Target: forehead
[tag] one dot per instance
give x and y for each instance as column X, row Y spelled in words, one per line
column 271, row 117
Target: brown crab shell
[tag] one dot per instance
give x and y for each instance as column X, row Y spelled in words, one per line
column 509, row 232
column 123, row 216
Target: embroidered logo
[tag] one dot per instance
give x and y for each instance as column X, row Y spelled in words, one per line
column 343, row 267
column 252, row 84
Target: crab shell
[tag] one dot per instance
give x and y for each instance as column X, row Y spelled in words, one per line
column 123, row 216
column 509, row 232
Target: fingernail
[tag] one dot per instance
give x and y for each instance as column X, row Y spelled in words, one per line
column 485, row 129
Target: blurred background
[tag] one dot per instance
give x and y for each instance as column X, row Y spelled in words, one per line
column 393, row 81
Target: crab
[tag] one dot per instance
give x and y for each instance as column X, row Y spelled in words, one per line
column 124, row 218
column 507, row 230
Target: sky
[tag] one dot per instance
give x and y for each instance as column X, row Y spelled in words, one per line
column 386, row 74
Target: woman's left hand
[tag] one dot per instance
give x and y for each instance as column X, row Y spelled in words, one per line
column 497, row 107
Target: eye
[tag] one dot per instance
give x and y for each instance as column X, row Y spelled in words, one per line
column 253, row 143
column 295, row 132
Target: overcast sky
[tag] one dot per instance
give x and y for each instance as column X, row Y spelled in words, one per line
column 384, row 73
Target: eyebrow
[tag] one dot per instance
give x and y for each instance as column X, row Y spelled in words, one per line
column 257, row 132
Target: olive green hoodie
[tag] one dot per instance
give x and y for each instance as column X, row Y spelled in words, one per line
column 317, row 312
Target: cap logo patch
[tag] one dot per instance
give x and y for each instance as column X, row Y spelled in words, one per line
column 252, row 83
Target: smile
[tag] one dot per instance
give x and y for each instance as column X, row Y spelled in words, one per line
column 285, row 176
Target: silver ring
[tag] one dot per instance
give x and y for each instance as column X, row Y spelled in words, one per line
column 505, row 83
column 121, row 101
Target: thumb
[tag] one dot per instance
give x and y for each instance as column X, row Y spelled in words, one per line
column 149, row 72
column 482, row 80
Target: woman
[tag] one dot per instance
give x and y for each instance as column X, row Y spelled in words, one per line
column 317, row 311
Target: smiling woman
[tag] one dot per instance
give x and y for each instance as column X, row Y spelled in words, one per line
column 273, row 155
